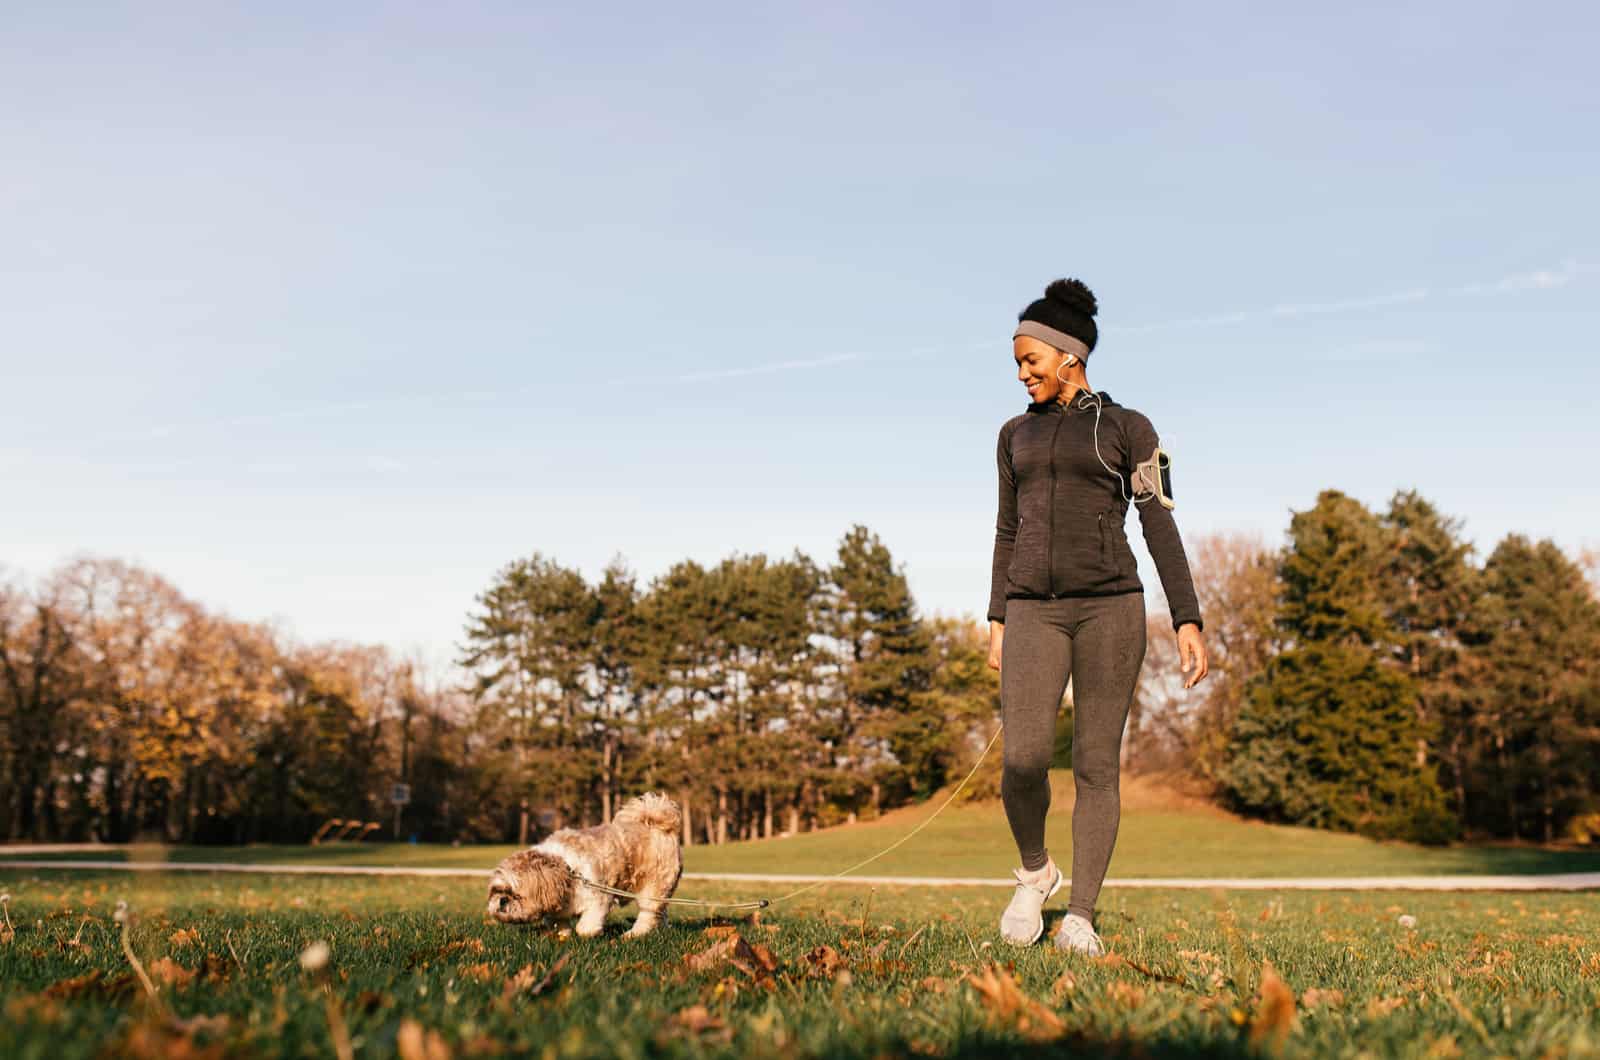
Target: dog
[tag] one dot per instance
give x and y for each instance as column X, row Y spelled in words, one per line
column 637, row 852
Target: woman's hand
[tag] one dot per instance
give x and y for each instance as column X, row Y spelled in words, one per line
column 1191, row 650
column 997, row 632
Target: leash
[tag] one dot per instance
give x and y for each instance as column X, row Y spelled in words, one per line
column 762, row 903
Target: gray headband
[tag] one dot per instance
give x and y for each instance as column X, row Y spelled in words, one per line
column 1059, row 339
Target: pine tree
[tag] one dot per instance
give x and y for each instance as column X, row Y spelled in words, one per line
column 529, row 647
column 1534, row 634
column 1431, row 587
column 1327, row 733
column 884, row 737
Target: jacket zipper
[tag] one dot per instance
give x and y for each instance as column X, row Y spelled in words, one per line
column 1050, row 520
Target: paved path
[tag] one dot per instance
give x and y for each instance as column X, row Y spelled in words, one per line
column 1564, row 881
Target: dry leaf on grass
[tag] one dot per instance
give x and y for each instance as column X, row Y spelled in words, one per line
column 1382, row 1006
column 1117, row 960
column 170, row 973
column 184, row 936
column 1008, row 1006
column 711, row 956
column 755, row 961
column 698, row 1020
column 823, row 962
column 148, row 1040
column 1274, row 1016
column 479, row 973
column 1126, row 994
column 91, row 984
column 525, row 984
column 1316, row 996
column 415, row 1043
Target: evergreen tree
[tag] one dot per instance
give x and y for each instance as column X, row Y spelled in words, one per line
column 887, row 737
column 1431, row 587
column 528, row 648
column 1327, row 734
column 1534, row 635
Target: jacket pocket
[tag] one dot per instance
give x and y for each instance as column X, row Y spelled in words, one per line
column 1114, row 544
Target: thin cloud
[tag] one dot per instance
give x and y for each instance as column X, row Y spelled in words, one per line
column 1539, row 280
column 774, row 366
column 1287, row 310
column 1374, row 349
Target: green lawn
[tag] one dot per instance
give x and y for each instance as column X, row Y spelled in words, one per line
column 906, row 971
column 974, row 841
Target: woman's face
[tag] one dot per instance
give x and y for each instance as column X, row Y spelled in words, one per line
column 1036, row 367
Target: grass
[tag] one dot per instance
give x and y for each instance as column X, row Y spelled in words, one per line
column 1160, row 836
column 905, row 971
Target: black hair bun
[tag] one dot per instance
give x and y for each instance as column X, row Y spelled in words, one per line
column 1073, row 294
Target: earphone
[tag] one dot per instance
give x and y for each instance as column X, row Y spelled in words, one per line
column 1150, row 494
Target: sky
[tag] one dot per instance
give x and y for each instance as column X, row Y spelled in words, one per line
column 328, row 312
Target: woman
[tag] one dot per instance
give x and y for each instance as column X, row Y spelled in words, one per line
column 1065, row 599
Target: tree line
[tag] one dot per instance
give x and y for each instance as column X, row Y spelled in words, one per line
column 1366, row 675
column 1377, row 679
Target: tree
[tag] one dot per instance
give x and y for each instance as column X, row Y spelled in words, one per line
column 1533, row 634
column 528, row 647
column 1327, row 732
column 1431, row 588
column 883, row 733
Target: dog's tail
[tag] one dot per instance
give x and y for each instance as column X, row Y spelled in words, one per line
column 653, row 811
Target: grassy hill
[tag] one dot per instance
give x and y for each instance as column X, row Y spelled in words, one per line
column 1162, row 834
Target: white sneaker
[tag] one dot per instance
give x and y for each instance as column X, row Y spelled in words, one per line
column 1023, row 921
column 1076, row 933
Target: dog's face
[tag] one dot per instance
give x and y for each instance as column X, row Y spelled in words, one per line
column 529, row 886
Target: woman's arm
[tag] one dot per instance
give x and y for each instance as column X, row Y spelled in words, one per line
column 1005, row 526
column 1160, row 529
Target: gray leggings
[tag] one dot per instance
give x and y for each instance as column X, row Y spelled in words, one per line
column 1099, row 641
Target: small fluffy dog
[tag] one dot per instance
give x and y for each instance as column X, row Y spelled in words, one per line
column 637, row 851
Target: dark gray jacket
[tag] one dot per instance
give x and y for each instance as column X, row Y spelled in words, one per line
column 1060, row 527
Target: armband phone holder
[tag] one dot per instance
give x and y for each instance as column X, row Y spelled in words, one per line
column 1154, row 476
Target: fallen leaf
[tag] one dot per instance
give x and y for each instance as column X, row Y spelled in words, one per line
column 697, row 1019
column 170, row 972
column 1127, row 994
column 823, row 962
column 711, row 956
column 524, row 983
column 480, row 973
column 1009, row 1006
column 1382, row 1006
column 185, row 937
column 1274, row 1016
column 1316, row 996
column 415, row 1043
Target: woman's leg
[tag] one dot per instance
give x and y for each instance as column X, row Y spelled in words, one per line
column 1108, row 642
column 1035, row 657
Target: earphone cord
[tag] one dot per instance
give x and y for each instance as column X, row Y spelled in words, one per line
column 1093, row 398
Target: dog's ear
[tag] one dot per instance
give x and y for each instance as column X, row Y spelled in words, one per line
column 549, row 885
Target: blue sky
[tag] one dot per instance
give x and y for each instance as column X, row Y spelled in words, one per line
column 326, row 313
